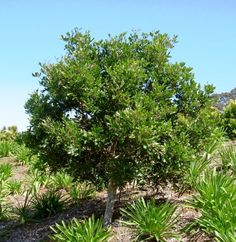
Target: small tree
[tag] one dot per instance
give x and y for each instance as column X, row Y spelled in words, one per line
column 113, row 108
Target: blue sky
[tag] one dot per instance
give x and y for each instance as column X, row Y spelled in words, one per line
column 31, row 29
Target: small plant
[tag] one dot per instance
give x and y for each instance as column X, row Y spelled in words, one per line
column 23, row 211
column 14, row 186
column 5, row 148
column 48, row 204
column 61, row 180
column 5, row 171
column 21, row 153
column 81, row 191
column 151, row 221
column 228, row 158
column 216, row 200
column 90, row 230
column 4, row 208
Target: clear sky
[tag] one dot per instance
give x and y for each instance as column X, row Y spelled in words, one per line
column 31, row 30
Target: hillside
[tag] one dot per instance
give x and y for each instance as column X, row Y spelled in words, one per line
column 224, row 97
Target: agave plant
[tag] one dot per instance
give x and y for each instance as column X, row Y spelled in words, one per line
column 90, row 230
column 151, row 221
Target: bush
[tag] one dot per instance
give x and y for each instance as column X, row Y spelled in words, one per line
column 90, row 230
column 229, row 119
column 151, row 221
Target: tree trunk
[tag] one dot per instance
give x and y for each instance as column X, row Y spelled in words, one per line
column 111, row 198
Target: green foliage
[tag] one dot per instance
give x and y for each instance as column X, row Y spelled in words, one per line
column 5, row 171
column 151, row 221
column 228, row 158
column 80, row 191
column 4, row 206
column 216, row 200
column 61, row 180
column 72, row 125
column 90, row 230
column 229, row 119
column 5, row 148
column 23, row 210
column 21, row 153
column 14, row 186
column 48, row 204
column 112, row 109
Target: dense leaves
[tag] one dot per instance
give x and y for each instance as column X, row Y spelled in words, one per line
column 116, row 108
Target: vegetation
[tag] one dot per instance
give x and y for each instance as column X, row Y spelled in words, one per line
column 229, row 119
column 157, row 119
column 90, row 230
column 151, row 221
column 159, row 130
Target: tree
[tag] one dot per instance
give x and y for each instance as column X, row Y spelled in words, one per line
column 111, row 109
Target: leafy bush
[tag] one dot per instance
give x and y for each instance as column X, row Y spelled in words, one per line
column 90, row 230
column 48, row 204
column 229, row 119
column 216, row 200
column 151, row 221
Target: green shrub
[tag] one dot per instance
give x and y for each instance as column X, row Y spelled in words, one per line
column 229, row 119
column 151, row 221
column 216, row 200
column 48, row 204
column 90, row 230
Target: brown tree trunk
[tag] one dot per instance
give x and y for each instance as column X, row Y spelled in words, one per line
column 111, row 198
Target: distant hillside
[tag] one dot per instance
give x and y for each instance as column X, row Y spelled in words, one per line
column 223, row 98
